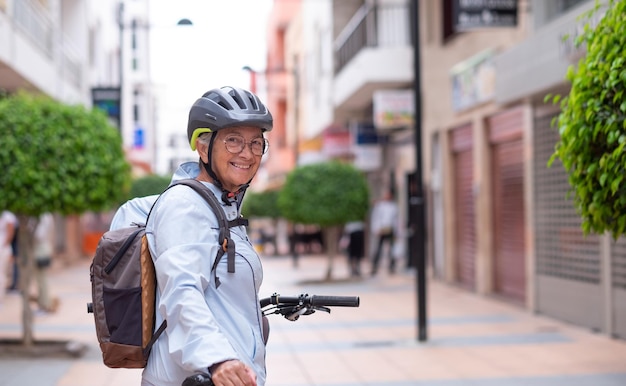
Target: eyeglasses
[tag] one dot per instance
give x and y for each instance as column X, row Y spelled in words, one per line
column 236, row 143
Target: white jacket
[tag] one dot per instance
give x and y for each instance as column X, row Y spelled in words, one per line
column 206, row 325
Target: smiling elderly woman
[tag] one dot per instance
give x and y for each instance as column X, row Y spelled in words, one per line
column 214, row 328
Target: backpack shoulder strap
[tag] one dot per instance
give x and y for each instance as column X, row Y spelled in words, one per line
column 226, row 243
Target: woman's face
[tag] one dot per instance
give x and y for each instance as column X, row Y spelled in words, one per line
column 233, row 168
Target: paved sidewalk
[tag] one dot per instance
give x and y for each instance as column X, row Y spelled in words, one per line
column 472, row 340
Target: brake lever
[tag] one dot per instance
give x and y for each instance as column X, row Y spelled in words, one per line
column 322, row 308
column 293, row 312
column 298, row 311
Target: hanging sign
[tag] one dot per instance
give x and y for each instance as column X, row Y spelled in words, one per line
column 472, row 14
column 108, row 100
column 393, row 109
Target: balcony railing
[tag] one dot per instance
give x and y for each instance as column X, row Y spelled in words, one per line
column 385, row 25
column 70, row 64
column 35, row 25
column 38, row 28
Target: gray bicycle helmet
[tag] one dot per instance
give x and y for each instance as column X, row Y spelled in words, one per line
column 226, row 107
column 221, row 108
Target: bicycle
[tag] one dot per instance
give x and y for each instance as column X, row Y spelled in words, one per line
column 291, row 308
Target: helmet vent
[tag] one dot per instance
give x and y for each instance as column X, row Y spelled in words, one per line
column 238, row 100
column 253, row 101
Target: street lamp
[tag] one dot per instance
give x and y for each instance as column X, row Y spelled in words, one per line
column 253, row 80
column 184, row 21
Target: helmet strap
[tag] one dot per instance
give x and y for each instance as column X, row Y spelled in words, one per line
column 226, row 195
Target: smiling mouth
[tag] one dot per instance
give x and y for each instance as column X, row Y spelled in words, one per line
column 239, row 166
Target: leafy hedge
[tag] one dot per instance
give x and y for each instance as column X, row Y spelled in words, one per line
column 58, row 158
column 592, row 123
column 261, row 204
column 148, row 185
column 324, row 194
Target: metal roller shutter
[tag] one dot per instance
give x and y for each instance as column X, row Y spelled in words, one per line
column 507, row 162
column 618, row 283
column 567, row 263
column 464, row 206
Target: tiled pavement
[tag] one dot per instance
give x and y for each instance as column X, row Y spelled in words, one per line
column 472, row 340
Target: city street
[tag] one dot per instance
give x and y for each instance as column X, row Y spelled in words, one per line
column 472, row 340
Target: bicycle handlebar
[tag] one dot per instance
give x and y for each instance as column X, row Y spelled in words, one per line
column 312, row 301
column 291, row 307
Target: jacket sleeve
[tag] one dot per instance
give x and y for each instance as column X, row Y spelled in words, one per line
column 133, row 211
column 184, row 234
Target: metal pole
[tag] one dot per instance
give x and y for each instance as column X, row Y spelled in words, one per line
column 417, row 201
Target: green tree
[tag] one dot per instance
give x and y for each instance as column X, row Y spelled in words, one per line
column 148, row 185
column 327, row 194
column 261, row 204
column 592, row 122
column 55, row 158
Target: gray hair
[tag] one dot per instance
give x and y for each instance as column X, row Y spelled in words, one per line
column 205, row 138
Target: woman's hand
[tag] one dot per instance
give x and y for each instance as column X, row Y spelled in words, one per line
column 232, row 373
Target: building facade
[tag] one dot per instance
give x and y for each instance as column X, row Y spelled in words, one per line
column 44, row 48
column 501, row 222
column 83, row 52
column 577, row 278
column 280, row 78
column 137, row 121
column 499, row 219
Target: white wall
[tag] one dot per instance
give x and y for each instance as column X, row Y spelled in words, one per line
column 317, row 89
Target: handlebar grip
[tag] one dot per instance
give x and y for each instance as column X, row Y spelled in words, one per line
column 335, row 301
column 266, row 301
column 282, row 300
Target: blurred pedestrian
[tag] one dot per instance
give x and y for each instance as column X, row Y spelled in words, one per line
column 355, row 232
column 44, row 248
column 7, row 230
column 293, row 244
column 383, row 225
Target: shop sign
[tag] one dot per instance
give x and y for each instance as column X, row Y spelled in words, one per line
column 108, row 100
column 473, row 81
column 367, row 149
column 473, row 14
column 393, row 109
column 336, row 141
column 139, row 138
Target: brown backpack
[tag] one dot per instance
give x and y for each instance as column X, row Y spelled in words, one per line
column 123, row 284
